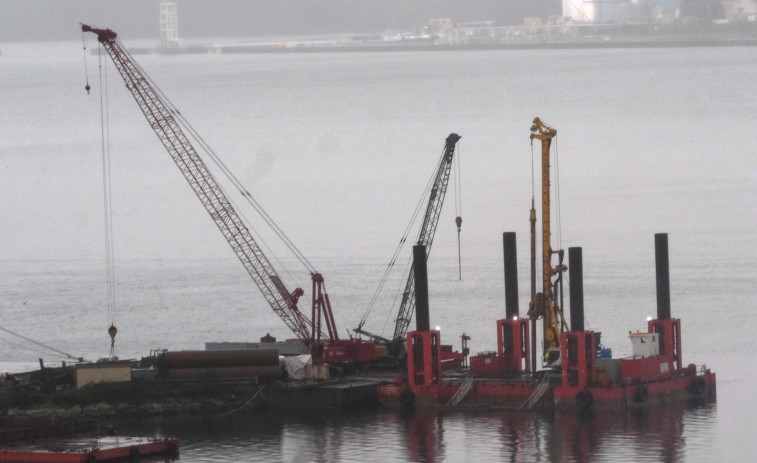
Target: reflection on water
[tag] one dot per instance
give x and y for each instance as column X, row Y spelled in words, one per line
column 666, row 434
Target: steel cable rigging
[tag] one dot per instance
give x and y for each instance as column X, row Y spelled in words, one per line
column 107, row 191
column 169, row 126
column 65, row 354
column 224, row 169
column 435, row 191
column 400, row 246
column 558, row 212
column 458, row 214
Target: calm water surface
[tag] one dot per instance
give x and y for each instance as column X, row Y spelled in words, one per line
column 338, row 147
column 666, row 435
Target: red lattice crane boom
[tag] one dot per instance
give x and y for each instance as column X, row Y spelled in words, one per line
column 162, row 121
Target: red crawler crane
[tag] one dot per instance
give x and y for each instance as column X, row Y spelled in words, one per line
column 282, row 301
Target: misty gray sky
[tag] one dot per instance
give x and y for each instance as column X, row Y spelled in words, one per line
column 35, row 20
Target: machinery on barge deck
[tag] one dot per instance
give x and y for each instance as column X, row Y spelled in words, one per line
column 585, row 377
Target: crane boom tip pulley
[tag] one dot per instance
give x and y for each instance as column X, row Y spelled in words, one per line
column 102, row 34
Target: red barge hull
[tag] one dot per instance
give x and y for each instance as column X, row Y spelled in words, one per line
column 514, row 395
column 699, row 387
column 89, row 450
column 484, row 392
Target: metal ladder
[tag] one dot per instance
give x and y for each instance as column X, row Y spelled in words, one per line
column 538, row 393
column 465, row 388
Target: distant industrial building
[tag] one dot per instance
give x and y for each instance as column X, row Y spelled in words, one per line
column 169, row 25
column 656, row 11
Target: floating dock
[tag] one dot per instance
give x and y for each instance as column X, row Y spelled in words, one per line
column 322, row 395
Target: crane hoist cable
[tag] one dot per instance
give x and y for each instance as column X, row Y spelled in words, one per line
column 400, row 246
column 242, row 190
column 458, row 213
column 558, row 211
column 435, row 191
column 226, row 171
column 86, row 73
column 108, row 198
column 398, row 294
column 178, row 116
column 107, row 192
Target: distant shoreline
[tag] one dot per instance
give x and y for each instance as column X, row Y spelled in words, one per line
column 424, row 47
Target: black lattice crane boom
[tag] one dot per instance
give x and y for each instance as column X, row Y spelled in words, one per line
column 437, row 192
column 426, row 235
column 194, row 170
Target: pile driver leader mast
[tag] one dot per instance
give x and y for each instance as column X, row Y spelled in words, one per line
column 545, row 304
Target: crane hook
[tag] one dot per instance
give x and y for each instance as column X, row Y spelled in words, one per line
column 112, row 331
column 459, row 221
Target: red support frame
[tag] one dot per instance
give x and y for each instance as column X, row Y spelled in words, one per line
column 424, row 364
column 514, row 345
column 577, row 353
column 670, row 338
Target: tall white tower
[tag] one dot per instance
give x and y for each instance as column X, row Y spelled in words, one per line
column 595, row 11
column 169, row 28
column 578, row 10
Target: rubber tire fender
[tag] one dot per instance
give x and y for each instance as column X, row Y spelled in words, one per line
column 407, row 399
column 134, row 453
column 697, row 386
column 641, row 394
column 173, row 449
column 584, row 400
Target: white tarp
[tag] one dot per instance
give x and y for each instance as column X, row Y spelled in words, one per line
column 298, row 367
